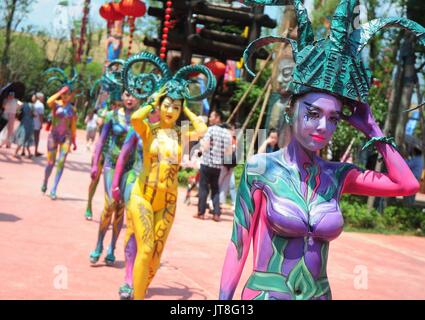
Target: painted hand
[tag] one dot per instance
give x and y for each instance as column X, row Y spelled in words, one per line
column 362, row 119
column 64, row 90
column 116, row 194
column 94, row 172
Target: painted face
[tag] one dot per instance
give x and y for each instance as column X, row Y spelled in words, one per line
column 129, row 101
column 67, row 97
column 315, row 120
column 170, row 110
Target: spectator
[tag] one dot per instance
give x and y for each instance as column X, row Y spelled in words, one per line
column 271, row 143
column 226, row 180
column 11, row 106
column 24, row 135
column 91, row 128
column 215, row 145
column 38, row 100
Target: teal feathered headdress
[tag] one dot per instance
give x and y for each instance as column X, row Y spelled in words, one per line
column 334, row 64
column 62, row 79
column 177, row 86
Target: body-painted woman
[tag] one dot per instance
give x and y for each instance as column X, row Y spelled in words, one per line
column 64, row 127
column 153, row 199
column 122, row 186
column 113, row 134
column 288, row 201
column 110, row 92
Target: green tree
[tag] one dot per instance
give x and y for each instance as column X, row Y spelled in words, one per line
column 12, row 13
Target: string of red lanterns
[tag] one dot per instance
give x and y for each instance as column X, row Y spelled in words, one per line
column 118, row 10
column 166, row 29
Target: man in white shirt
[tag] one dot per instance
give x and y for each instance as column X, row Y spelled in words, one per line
column 38, row 100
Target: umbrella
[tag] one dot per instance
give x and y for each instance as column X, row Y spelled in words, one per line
column 17, row 87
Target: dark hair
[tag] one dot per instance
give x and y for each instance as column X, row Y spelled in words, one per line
column 218, row 113
column 272, row 130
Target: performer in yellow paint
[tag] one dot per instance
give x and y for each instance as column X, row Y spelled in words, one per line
column 152, row 204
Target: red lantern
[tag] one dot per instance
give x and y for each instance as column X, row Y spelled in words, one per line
column 164, row 36
column 169, row 4
column 163, row 50
column 165, row 30
column 167, row 17
column 217, row 68
column 132, row 8
column 162, row 56
column 168, row 11
column 109, row 12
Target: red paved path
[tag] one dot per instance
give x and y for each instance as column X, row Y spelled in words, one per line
column 41, row 238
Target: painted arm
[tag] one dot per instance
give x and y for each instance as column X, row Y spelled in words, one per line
column 130, row 145
column 398, row 181
column 246, row 214
column 199, row 125
column 51, row 102
column 74, row 131
column 138, row 120
column 99, row 146
column 138, row 117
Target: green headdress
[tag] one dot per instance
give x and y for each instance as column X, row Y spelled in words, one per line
column 177, row 86
column 72, row 83
column 334, row 64
column 111, row 80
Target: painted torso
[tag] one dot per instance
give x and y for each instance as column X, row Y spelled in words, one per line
column 299, row 215
column 61, row 121
column 120, row 125
column 162, row 154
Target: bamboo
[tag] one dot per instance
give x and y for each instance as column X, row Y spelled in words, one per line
column 249, row 88
column 260, row 120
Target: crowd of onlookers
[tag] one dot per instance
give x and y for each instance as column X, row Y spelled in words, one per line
column 217, row 158
column 30, row 116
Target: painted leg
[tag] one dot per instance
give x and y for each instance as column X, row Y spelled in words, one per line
column 142, row 213
column 63, row 152
column 116, row 229
column 162, row 225
column 92, row 191
column 126, row 290
column 51, row 159
column 106, row 217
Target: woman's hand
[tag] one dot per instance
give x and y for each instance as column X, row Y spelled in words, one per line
column 64, row 90
column 161, row 93
column 116, row 194
column 362, row 119
column 94, row 172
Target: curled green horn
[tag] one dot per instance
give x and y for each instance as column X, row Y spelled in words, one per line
column 360, row 37
column 143, row 85
column 74, row 75
column 94, row 87
column 115, row 75
column 341, row 23
column 56, row 79
column 264, row 41
column 186, row 71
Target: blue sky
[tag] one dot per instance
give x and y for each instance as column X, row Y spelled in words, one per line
column 42, row 14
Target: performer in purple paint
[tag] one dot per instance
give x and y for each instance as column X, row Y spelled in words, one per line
column 288, row 201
